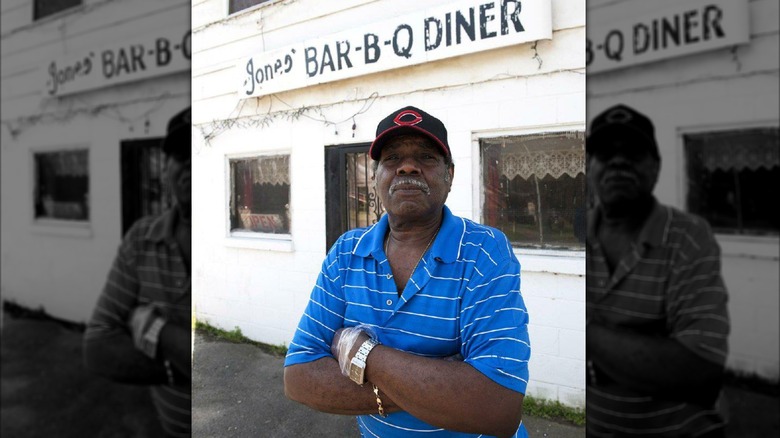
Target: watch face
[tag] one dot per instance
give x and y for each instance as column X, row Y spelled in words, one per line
column 356, row 372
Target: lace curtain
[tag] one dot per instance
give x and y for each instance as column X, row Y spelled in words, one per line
column 542, row 163
column 67, row 163
column 541, row 155
column 749, row 149
column 274, row 170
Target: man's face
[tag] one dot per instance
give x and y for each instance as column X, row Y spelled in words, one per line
column 622, row 172
column 412, row 178
column 178, row 176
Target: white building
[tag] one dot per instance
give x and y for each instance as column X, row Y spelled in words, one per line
column 706, row 73
column 286, row 99
column 88, row 87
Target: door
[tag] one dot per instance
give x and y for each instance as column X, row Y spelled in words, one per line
column 143, row 190
column 350, row 197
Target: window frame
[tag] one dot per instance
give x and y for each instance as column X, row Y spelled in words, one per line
column 246, row 10
column 54, row 226
column 731, row 244
column 252, row 239
column 568, row 261
column 56, row 15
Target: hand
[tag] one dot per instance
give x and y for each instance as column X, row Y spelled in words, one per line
column 345, row 345
column 334, row 346
column 140, row 319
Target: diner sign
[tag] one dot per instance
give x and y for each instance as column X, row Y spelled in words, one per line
column 680, row 29
column 423, row 36
column 165, row 52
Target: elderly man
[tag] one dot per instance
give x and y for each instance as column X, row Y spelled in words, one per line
column 416, row 324
column 656, row 304
column 140, row 331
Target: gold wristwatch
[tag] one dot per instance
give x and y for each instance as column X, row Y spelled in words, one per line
column 357, row 367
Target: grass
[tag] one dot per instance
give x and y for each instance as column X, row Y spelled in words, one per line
column 553, row 410
column 236, row 336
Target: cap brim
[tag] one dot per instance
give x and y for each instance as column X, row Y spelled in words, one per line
column 618, row 131
column 376, row 146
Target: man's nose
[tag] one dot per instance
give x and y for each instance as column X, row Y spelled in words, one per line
column 620, row 159
column 408, row 166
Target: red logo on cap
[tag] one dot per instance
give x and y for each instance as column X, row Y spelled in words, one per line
column 416, row 118
column 619, row 116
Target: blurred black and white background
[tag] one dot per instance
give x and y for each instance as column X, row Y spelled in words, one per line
column 706, row 73
column 88, row 87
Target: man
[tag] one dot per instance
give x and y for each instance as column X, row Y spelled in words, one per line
column 422, row 310
column 140, row 331
column 656, row 304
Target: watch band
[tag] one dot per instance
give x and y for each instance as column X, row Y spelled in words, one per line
column 365, row 348
column 357, row 366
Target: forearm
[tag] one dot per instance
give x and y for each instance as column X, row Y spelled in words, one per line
column 321, row 386
column 650, row 364
column 448, row 394
column 114, row 356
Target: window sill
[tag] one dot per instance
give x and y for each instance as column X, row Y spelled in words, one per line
column 755, row 247
column 555, row 262
column 62, row 228
column 260, row 241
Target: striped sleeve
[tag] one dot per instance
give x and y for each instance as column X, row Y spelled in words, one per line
column 120, row 294
column 324, row 314
column 494, row 326
column 697, row 301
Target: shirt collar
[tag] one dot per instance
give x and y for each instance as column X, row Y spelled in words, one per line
column 654, row 232
column 161, row 228
column 445, row 247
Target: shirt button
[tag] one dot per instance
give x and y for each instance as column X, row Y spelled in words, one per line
column 601, row 282
column 179, row 283
column 389, row 302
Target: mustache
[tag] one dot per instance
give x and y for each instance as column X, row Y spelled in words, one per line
column 409, row 181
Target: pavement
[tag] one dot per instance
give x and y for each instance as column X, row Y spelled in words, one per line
column 238, row 392
column 47, row 392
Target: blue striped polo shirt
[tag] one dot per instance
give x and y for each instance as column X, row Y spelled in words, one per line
column 463, row 297
column 668, row 285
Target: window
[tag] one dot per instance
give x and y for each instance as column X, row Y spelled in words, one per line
column 143, row 191
column 44, row 8
column 260, row 194
column 534, row 189
column 351, row 198
column 62, row 185
column 239, row 5
column 729, row 176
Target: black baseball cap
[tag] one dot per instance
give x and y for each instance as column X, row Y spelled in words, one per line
column 621, row 122
column 178, row 138
column 410, row 120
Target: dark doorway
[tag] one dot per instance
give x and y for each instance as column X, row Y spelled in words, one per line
column 350, row 198
column 143, row 191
